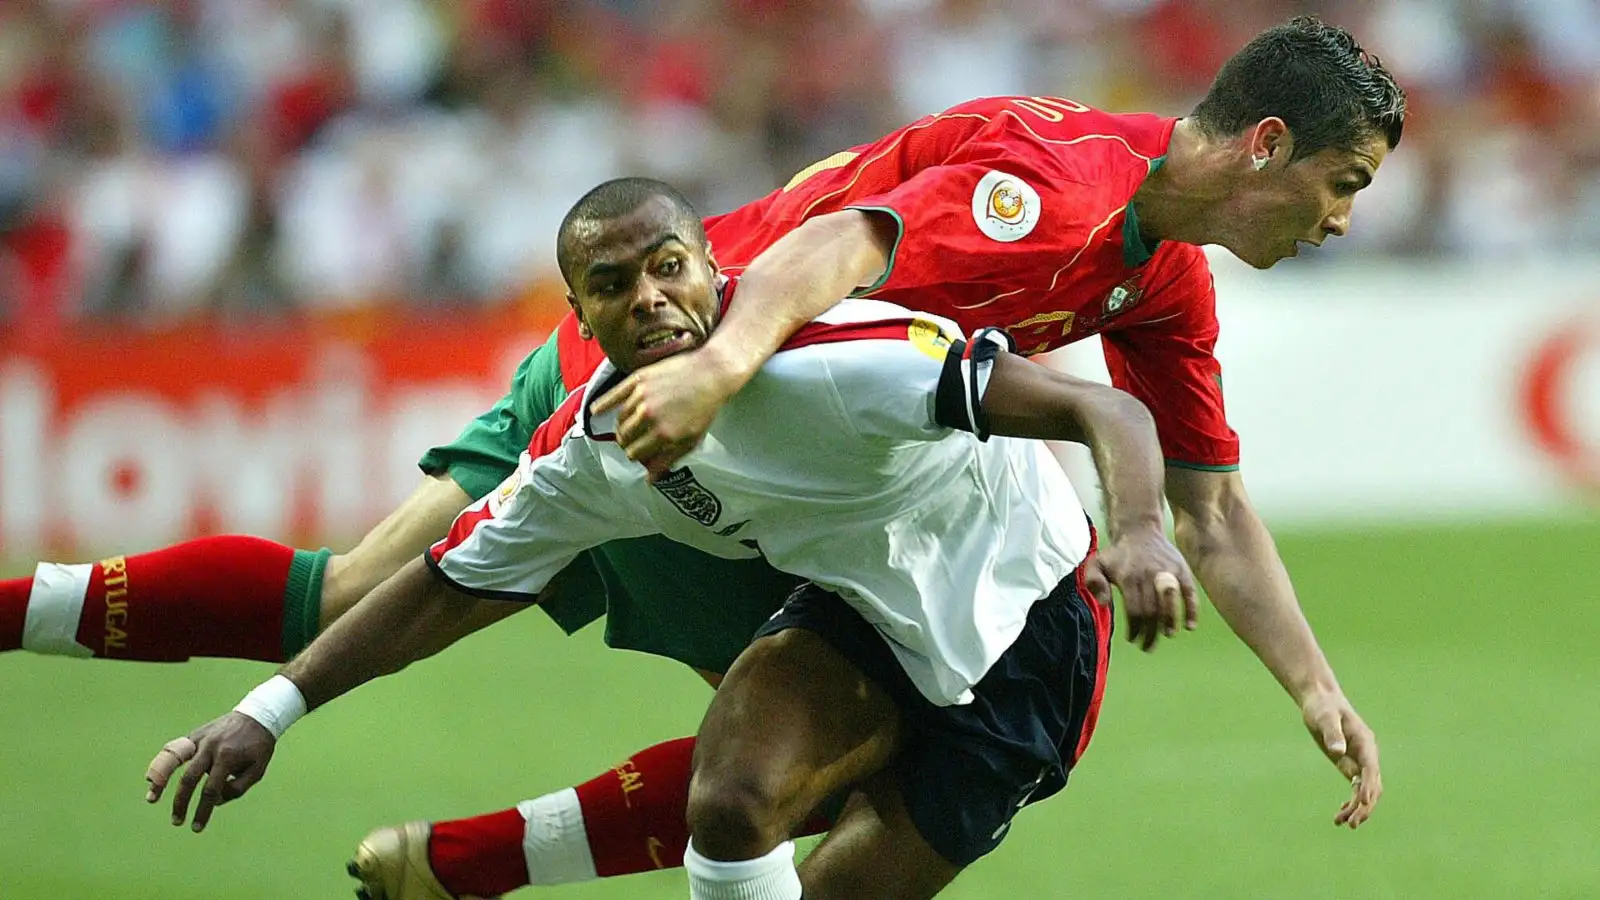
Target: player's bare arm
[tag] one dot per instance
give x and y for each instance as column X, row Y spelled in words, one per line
column 420, row 520
column 1236, row 559
column 411, row 616
column 667, row 407
column 1029, row 401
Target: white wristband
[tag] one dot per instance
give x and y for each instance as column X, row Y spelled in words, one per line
column 276, row 703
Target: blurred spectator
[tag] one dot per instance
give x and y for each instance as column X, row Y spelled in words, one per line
column 163, row 160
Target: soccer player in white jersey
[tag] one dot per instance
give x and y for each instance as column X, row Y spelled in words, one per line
column 945, row 662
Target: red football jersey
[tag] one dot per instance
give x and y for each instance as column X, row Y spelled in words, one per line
column 1015, row 212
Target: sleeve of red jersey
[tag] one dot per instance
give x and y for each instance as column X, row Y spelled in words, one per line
column 1003, row 224
column 1170, row 365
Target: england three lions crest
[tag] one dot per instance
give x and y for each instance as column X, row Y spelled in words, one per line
column 694, row 501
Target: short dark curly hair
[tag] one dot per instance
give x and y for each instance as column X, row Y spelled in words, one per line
column 1316, row 78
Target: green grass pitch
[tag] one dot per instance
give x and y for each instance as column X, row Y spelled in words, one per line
column 1470, row 649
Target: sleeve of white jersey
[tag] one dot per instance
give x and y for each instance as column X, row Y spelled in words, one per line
column 918, row 388
column 510, row 543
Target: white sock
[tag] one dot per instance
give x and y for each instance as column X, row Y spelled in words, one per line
column 55, row 604
column 554, row 840
column 770, row 877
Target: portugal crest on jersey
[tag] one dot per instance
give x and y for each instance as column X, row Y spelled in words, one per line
column 694, row 501
column 1122, row 298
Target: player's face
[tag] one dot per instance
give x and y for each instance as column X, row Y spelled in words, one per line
column 644, row 289
column 1306, row 201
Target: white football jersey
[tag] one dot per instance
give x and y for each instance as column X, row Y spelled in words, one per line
column 841, row 462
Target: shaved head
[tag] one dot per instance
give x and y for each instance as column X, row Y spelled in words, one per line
column 611, row 200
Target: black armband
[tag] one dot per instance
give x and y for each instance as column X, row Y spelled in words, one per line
column 958, row 402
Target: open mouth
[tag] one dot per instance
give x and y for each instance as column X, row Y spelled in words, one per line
column 660, row 343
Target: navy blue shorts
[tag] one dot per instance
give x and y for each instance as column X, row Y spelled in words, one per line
column 964, row 771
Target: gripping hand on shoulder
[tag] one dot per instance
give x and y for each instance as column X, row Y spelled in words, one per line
column 666, row 408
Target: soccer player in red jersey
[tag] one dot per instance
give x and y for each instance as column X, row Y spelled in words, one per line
column 1064, row 221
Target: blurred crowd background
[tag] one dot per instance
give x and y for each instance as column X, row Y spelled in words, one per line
column 164, row 161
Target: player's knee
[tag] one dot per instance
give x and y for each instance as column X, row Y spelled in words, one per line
column 735, row 815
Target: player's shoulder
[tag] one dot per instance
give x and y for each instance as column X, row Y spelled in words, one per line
column 1075, row 132
column 856, row 325
column 1180, row 274
column 1175, row 257
column 554, row 431
column 577, row 356
column 1175, row 290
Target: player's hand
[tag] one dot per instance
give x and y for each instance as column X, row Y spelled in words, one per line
column 1156, row 584
column 230, row 753
column 665, row 408
column 1351, row 746
column 1094, row 578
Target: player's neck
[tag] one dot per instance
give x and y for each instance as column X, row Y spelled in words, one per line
column 1186, row 199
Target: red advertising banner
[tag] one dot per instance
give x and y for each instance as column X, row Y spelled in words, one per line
column 1552, row 398
column 122, row 438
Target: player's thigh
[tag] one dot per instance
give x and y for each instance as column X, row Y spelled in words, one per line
column 421, row 519
column 793, row 722
column 875, row 851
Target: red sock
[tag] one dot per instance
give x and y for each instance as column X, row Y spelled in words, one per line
column 219, row 596
column 636, row 814
column 481, row 856
column 633, row 819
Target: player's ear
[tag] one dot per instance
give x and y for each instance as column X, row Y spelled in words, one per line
column 1269, row 140
column 711, row 260
column 577, row 311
